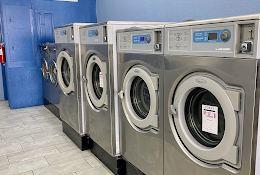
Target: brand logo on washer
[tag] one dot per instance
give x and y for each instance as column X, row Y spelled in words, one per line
column 137, row 71
column 94, row 58
column 200, row 81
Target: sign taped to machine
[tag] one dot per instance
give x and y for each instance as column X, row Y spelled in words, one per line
column 100, row 79
column 210, row 119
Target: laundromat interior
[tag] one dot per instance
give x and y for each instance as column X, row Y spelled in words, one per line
column 98, row 87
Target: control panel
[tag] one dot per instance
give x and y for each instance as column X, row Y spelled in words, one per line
column 64, row 35
column 140, row 41
column 179, row 40
column 96, row 34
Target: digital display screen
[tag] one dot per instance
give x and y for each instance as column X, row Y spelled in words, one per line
column 212, row 36
column 141, row 39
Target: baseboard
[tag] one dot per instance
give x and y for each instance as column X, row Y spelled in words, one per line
column 81, row 141
column 53, row 109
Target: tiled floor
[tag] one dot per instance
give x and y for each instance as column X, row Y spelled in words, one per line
column 32, row 143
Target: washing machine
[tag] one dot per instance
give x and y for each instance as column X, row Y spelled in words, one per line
column 140, row 85
column 68, row 73
column 54, row 87
column 99, row 71
column 211, row 97
column 45, row 72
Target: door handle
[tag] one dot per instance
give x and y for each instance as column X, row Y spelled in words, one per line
column 121, row 94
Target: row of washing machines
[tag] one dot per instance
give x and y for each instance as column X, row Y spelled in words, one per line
column 176, row 98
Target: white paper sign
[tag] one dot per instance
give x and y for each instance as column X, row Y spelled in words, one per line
column 1, row 52
column 210, row 119
column 100, row 79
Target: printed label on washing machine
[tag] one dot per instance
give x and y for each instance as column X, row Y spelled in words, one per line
column 100, row 79
column 1, row 51
column 210, row 119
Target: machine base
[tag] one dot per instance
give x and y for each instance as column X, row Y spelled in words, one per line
column 81, row 141
column 116, row 164
column 52, row 108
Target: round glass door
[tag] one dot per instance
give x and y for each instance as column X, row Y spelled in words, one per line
column 204, row 112
column 194, row 113
column 140, row 98
column 95, row 72
column 65, row 72
column 44, row 69
column 53, row 73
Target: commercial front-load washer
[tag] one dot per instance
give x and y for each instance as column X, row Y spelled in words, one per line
column 140, row 82
column 45, row 73
column 68, row 73
column 99, row 71
column 54, row 87
column 211, row 97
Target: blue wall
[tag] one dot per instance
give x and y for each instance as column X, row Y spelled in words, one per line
column 173, row 10
column 68, row 12
column 21, row 38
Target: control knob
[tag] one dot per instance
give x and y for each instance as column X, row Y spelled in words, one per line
column 96, row 32
column 225, row 35
column 148, row 38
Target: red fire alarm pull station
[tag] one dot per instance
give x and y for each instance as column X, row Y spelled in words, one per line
column 2, row 53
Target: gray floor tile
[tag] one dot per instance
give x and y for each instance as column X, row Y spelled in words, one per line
column 63, row 168
column 24, row 166
column 3, row 160
column 99, row 170
column 57, row 127
column 24, row 132
column 68, row 146
column 32, row 121
column 43, row 143
column 27, row 155
column 47, row 134
column 26, row 173
column 32, row 126
column 93, row 160
column 13, row 148
column 10, row 140
column 67, row 156
column 8, row 129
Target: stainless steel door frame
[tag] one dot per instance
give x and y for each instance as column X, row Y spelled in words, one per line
column 143, row 150
column 100, row 122
column 229, row 71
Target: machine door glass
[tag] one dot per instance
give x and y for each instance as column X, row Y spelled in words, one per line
column 65, row 72
column 96, row 84
column 44, row 69
column 140, row 98
column 53, row 73
column 205, row 115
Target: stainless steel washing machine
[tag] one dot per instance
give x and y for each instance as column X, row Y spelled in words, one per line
column 68, row 74
column 45, row 72
column 140, row 82
column 54, row 87
column 99, row 71
column 211, row 97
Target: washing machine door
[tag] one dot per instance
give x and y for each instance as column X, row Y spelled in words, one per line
column 96, row 81
column 140, row 98
column 44, row 69
column 205, row 114
column 53, row 73
column 65, row 72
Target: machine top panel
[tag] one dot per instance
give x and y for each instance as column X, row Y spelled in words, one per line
column 68, row 33
column 216, row 20
column 140, row 41
column 227, row 39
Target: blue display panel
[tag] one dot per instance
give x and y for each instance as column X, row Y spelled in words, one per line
column 92, row 33
column 210, row 36
column 140, row 39
column 63, row 33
